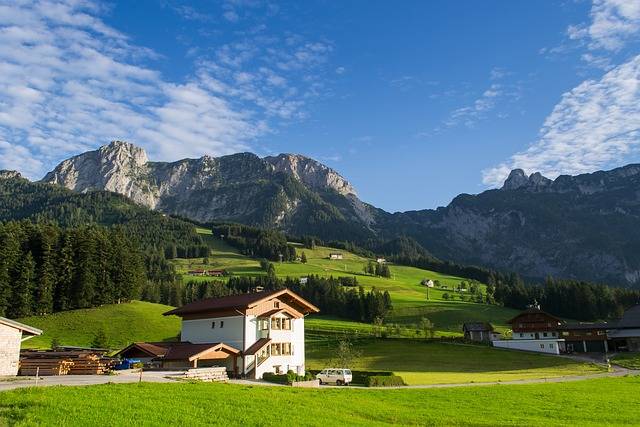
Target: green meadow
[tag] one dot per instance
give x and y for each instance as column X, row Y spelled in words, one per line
column 432, row 362
column 581, row 403
column 122, row 324
column 408, row 296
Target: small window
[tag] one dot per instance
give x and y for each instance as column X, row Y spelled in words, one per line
column 213, row 325
column 521, row 335
column 541, row 345
column 550, row 345
column 276, row 304
column 222, row 323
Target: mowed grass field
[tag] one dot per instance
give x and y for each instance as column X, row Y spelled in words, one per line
column 429, row 362
column 582, row 403
column 409, row 297
column 122, row 323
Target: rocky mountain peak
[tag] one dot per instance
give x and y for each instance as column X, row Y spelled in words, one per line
column 7, row 174
column 122, row 152
column 516, row 179
column 519, row 179
column 310, row 172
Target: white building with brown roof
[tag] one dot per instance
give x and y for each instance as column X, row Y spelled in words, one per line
column 264, row 331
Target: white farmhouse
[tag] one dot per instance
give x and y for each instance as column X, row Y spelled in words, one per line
column 428, row 283
column 534, row 330
column 12, row 334
column 336, row 255
column 260, row 332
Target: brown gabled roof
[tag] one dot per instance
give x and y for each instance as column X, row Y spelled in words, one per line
column 153, row 349
column 477, row 327
column 240, row 301
column 190, row 351
column 534, row 310
column 29, row 330
column 257, row 346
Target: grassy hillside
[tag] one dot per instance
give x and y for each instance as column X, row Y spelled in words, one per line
column 122, row 323
column 409, row 297
column 580, row 403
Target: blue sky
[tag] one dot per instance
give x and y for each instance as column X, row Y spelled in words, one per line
column 414, row 102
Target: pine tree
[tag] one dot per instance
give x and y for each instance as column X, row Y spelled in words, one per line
column 303, row 258
column 46, row 276
column 23, row 287
column 65, row 272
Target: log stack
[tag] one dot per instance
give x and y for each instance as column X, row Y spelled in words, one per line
column 69, row 362
column 45, row 367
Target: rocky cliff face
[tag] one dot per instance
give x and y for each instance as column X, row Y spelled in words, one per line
column 286, row 191
column 584, row 227
column 5, row 174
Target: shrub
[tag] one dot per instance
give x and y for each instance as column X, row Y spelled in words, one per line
column 384, row 381
column 275, row 378
column 287, row 378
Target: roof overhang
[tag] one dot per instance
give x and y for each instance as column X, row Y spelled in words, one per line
column 26, row 329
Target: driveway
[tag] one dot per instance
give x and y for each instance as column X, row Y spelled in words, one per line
column 130, row 376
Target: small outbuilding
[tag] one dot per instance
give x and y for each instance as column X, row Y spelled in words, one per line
column 12, row 334
column 479, row 331
column 336, row 255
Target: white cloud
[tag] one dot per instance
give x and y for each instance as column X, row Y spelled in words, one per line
column 613, row 23
column 596, row 124
column 478, row 110
column 71, row 83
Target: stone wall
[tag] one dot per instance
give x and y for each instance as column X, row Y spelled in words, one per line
column 9, row 350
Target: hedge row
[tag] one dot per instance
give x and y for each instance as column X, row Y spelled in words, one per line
column 287, row 378
column 384, row 381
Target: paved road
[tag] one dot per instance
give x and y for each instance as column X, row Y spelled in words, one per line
column 165, row 377
column 74, row 380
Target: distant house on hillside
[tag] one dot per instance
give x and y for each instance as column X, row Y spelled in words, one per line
column 428, row 283
column 336, row 255
column 304, row 280
column 479, row 331
column 215, row 273
column 380, row 260
column 12, row 334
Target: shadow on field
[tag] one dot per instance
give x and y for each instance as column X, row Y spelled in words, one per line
column 433, row 356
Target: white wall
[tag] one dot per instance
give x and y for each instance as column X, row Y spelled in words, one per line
column 538, row 346
column 10, row 339
column 294, row 362
column 200, row 331
column 532, row 335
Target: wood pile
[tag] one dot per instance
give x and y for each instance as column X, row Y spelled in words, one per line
column 47, row 367
column 70, row 362
column 207, row 374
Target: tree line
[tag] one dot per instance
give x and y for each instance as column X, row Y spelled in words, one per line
column 256, row 242
column 566, row 298
column 45, row 269
column 331, row 295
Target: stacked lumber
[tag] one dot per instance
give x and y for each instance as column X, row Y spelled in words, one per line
column 45, row 367
column 90, row 364
column 73, row 362
column 207, row 374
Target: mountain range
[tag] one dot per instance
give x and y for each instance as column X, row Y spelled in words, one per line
column 584, row 227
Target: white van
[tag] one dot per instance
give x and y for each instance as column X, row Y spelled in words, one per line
column 335, row 376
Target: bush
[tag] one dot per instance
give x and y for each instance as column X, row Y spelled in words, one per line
column 275, row 378
column 384, row 381
column 287, row 378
